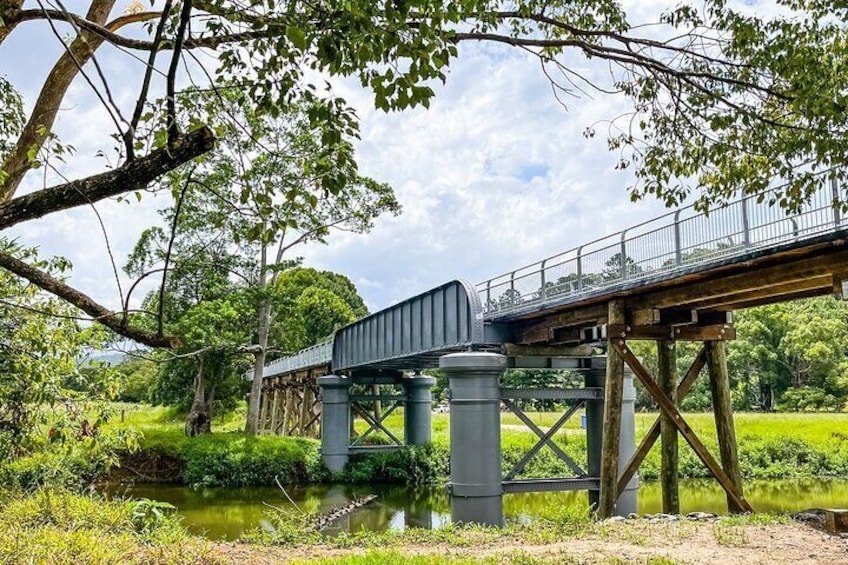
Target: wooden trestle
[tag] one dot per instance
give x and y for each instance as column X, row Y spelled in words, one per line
column 291, row 405
column 693, row 307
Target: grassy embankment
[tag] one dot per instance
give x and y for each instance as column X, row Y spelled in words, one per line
column 58, row 526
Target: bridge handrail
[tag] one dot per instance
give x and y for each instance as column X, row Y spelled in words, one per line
column 675, row 240
column 312, row 356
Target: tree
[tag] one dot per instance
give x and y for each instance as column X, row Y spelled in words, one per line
column 787, row 347
column 722, row 99
column 261, row 191
column 46, row 395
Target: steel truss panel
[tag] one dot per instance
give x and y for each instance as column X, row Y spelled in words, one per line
column 588, row 393
column 548, row 485
column 414, row 333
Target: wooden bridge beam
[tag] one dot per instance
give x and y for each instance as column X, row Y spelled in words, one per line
column 667, row 381
column 613, row 394
column 667, row 406
column 723, row 411
column 654, row 431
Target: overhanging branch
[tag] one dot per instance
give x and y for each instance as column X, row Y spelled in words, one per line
column 134, row 175
column 112, row 320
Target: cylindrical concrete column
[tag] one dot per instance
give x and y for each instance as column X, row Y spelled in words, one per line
column 595, row 378
column 335, row 421
column 475, row 436
column 418, row 409
column 627, row 502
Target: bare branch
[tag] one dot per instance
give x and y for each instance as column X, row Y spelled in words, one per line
column 113, row 320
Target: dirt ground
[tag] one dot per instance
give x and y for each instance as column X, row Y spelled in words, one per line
column 631, row 541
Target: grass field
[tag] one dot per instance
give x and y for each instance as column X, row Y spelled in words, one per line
column 770, row 446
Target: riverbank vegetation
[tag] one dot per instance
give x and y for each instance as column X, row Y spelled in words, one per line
column 771, row 446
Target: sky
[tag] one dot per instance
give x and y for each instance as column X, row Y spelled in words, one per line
column 495, row 175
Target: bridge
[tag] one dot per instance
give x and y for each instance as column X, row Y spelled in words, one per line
column 678, row 277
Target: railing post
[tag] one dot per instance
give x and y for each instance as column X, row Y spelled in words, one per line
column 335, row 421
column 580, row 268
column 475, row 488
column 623, row 255
column 418, row 409
column 678, row 251
column 746, row 227
column 543, row 293
column 488, row 294
column 834, row 189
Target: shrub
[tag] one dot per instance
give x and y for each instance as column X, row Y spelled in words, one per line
column 415, row 465
column 236, row 460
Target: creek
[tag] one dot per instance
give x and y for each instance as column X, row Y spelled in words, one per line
column 227, row 513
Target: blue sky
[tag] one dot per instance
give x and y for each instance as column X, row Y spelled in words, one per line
column 495, row 175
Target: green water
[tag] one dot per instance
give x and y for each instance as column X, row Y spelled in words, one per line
column 226, row 513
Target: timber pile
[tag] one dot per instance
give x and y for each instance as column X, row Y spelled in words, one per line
column 325, row 520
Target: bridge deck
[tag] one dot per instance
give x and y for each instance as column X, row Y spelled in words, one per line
column 683, row 268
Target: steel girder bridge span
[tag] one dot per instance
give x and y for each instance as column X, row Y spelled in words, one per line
column 676, row 278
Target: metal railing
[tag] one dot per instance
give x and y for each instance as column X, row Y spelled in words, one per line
column 661, row 247
column 313, row 356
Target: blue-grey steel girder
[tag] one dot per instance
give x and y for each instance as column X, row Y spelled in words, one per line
column 413, row 334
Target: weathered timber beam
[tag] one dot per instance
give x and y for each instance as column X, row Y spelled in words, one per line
column 701, row 292
column 723, row 413
column 683, row 427
column 742, row 305
column 516, row 350
column 824, row 281
column 719, row 332
column 613, row 397
column 539, row 329
column 669, row 465
column 654, row 431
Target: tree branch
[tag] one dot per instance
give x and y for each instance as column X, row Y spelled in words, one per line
column 134, row 175
column 58, row 81
column 112, row 320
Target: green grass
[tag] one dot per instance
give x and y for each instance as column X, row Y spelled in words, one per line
column 770, row 446
column 776, row 445
column 57, row 526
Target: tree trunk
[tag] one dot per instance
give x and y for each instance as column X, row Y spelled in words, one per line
column 264, row 326
column 199, row 419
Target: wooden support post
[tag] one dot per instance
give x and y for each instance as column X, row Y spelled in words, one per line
column 667, row 380
column 274, row 410
column 306, row 410
column 284, row 406
column 654, row 432
column 291, row 408
column 682, row 426
column 723, row 411
column 263, row 411
column 612, row 420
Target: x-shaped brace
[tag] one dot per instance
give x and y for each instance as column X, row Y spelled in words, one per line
column 544, row 439
column 667, row 406
column 375, row 423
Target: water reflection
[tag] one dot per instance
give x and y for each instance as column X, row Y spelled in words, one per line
column 226, row 513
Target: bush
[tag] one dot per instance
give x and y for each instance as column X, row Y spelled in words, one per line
column 59, row 526
column 50, row 468
column 236, row 460
column 414, row 465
